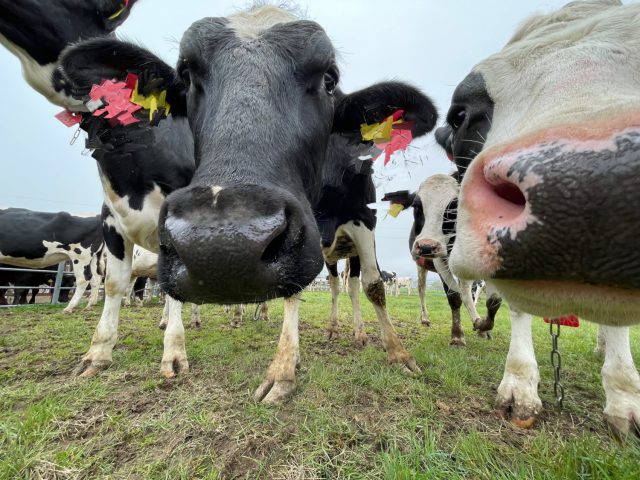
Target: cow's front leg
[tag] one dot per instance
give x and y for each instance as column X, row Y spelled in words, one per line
column 264, row 312
column 196, row 322
column 455, row 302
column 359, row 335
column 517, row 398
column 104, row 338
column 363, row 238
column 422, row 292
column 280, row 381
column 174, row 358
column 238, row 312
column 494, row 300
column 621, row 383
column 466, row 295
column 333, row 328
column 81, row 269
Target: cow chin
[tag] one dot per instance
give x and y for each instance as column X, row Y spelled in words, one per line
column 601, row 304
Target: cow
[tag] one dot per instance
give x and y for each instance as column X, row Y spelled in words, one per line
column 402, row 282
column 547, row 135
column 34, row 279
column 279, row 181
column 40, row 239
column 389, row 279
column 430, row 242
column 36, row 31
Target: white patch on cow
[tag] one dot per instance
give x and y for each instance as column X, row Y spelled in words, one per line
column 435, row 194
column 39, row 77
column 251, row 24
column 216, row 189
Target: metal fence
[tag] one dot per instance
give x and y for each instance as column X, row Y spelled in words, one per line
column 57, row 286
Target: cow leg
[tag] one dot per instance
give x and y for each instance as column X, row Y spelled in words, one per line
column 466, row 294
column 280, row 381
column 455, row 302
column 81, row 268
column 364, row 240
column 3, row 297
column 164, row 319
column 126, row 300
column 238, row 312
column 264, row 312
column 600, row 341
column 104, row 338
column 517, row 398
column 334, row 283
column 621, row 383
column 195, row 316
column 359, row 335
column 95, row 282
column 494, row 300
column 422, row 292
column 174, row 358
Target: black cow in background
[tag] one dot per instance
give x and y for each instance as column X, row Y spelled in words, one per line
column 279, row 180
column 20, row 295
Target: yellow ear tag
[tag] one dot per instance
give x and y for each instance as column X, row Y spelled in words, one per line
column 118, row 13
column 395, row 209
column 152, row 102
column 377, row 132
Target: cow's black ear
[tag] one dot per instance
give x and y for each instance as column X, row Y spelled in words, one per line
column 89, row 63
column 402, row 197
column 375, row 103
column 114, row 12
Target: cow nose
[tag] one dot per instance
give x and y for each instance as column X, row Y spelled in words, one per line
column 234, row 245
column 427, row 249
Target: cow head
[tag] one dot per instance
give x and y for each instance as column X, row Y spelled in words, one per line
column 434, row 207
column 547, row 135
column 260, row 90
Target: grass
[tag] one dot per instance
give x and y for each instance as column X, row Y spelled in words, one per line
column 353, row 416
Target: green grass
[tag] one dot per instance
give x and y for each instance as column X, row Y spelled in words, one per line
column 353, row 415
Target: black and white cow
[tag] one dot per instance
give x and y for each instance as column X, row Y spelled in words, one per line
column 547, row 135
column 278, row 181
column 430, row 242
column 40, row 239
column 36, row 31
column 35, row 279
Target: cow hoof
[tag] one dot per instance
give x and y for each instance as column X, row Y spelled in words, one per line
column 264, row 318
column 482, row 325
column 271, row 392
column 88, row 368
column 407, row 365
column 458, row 342
column 485, row 335
column 163, row 324
column 171, row 367
column 521, row 413
column 236, row 321
column 332, row 333
column 361, row 339
column 68, row 310
column 425, row 321
column 623, row 427
column 196, row 325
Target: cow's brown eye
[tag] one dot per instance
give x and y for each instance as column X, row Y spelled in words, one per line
column 330, row 81
column 456, row 117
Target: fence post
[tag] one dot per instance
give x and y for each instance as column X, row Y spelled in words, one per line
column 56, row 289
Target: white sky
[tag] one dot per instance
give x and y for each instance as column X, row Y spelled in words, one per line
column 431, row 44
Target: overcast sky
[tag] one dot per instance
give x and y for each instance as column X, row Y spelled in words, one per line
column 430, row 43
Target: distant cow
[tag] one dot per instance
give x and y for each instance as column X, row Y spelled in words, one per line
column 279, row 182
column 34, row 279
column 41, row 239
column 547, row 135
column 402, row 282
column 432, row 235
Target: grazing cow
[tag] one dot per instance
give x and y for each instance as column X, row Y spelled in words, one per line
column 40, row 239
column 35, row 279
column 430, row 242
column 389, row 279
column 279, row 179
column 547, row 135
column 402, row 282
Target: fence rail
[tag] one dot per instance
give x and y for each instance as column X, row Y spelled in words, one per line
column 57, row 286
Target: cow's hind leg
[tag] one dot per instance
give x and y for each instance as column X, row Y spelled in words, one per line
column 280, row 381
column 517, row 398
column 455, row 302
column 373, row 285
column 359, row 335
column 621, row 383
column 95, row 281
column 422, row 292
column 82, row 273
column 174, row 358
column 333, row 328
column 493, row 305
column 263, row 313
column 238, row 312
column 99, row 355
column 196, row 322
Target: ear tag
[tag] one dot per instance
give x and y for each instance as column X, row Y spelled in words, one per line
column 390, row 135
column 69, row 118
column 567, row 321
column 395, row 209
column 152, row 102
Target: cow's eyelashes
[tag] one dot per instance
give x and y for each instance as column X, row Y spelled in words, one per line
column 184, row 73
column 330, row 80
column 456, row 117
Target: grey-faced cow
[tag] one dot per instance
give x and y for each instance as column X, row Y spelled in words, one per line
column 547, row 135
column 278, row 180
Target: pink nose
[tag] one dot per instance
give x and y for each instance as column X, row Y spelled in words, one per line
column 426, row 248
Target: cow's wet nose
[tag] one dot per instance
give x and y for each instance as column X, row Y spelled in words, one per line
column 427, row 249
column 238, row 244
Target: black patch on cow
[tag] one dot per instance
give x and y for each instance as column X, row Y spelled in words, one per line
column 333, row 269
column 375, row 293
column 468, row 121
column 113, row 240
column 77, row 250
column 449, row 218
column 354, row 267
column 453, row 297
column 87, row 272
column 76, row 261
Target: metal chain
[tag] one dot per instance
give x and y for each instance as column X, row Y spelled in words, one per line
column 556, row 361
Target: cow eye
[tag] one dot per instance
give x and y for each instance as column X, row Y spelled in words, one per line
column 330, row 81
column 456, row 117
column 184, row 74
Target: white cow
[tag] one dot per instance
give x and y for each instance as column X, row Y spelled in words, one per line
column 547, row 135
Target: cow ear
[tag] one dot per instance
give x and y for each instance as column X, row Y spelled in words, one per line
column 375, row 103
column 89, row 63
column 402, row 197
column 114, row 12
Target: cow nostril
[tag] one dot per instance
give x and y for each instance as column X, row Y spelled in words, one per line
column 273, row 250
column 510, row 193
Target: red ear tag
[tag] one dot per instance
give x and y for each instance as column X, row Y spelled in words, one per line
column 69, row 118
column 567, row 321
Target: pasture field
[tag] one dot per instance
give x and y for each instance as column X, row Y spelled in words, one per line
column 353, row 416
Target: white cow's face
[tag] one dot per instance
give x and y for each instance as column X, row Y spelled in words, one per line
column 547, row 135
